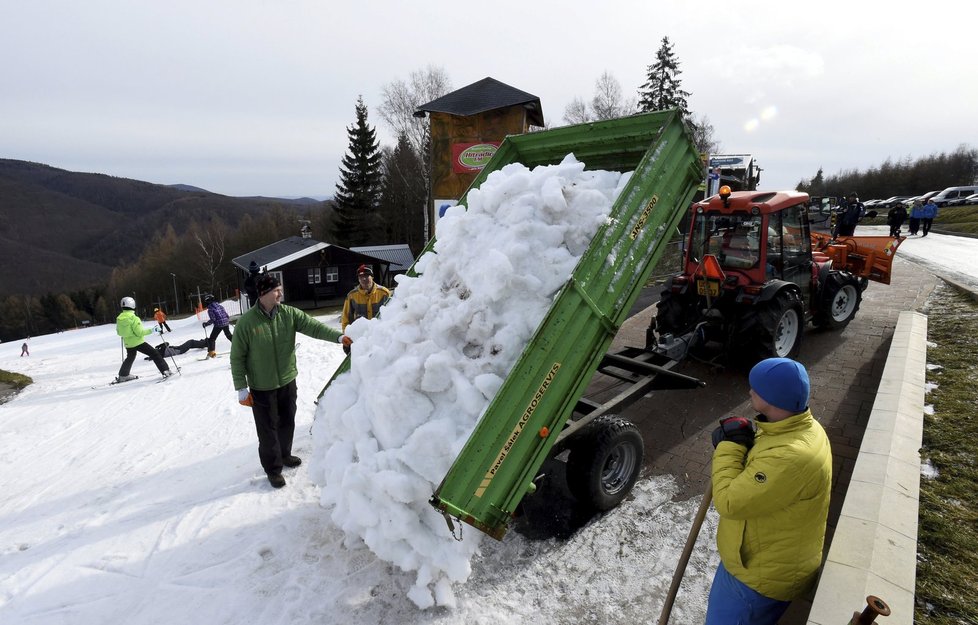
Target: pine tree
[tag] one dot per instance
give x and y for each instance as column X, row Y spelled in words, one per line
column 359, row 188
column 662, row 90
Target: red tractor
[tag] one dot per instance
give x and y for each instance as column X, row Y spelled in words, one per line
column 755, row 273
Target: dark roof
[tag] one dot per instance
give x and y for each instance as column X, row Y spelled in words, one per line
column 280, row 253
column 484, row 95
column 399, row 256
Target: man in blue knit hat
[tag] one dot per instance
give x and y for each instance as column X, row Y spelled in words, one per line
column 771, row 488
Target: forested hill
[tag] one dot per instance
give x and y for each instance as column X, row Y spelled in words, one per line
column 62, row 230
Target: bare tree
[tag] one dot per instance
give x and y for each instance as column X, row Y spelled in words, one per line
column 703, row 135
column 209, row 242
column 402, row 98
column 577, row 112
column 606, row 103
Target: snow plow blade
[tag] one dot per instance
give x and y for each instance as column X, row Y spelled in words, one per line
column 514, row 436
column 863, row 256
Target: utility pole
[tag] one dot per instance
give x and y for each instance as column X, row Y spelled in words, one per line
column 176, row 300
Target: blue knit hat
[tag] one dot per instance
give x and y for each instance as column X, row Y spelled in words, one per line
column 781, row 382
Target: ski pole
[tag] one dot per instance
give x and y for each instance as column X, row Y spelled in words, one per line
column 687, row 551
column 172, row 359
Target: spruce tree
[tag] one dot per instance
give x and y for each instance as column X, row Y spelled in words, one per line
column 662, row 89
column 359, row 188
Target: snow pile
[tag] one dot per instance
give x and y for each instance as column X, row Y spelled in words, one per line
column 387, row 432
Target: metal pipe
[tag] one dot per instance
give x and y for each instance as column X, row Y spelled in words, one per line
column 874, row 607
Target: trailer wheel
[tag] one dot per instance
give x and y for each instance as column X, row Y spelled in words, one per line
column 781, row 326
column 604, row 464
column 839, row 302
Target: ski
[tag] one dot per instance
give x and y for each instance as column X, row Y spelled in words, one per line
column 114, row 382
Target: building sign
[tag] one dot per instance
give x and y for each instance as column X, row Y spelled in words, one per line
column 472, row 157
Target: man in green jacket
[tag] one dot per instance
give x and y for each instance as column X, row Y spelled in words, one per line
column 772, row 492
column 264, row 371
column 130, row 328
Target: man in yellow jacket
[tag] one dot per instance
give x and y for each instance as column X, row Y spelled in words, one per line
column 363, row 301
column 771, row 489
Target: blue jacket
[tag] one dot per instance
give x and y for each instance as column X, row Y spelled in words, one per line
column 928, row 211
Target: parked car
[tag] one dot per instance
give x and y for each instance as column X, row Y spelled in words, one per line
column 891, row 202
column 953, row 193
column 964, row 201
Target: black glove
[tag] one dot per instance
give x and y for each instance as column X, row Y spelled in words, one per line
column 205, row 324
column 346, row 350
column 736, row 430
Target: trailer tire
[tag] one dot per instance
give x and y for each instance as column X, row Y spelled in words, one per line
column 840, row 301
column 605, row 462
column 781, row 323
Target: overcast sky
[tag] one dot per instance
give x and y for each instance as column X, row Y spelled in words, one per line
column 254, row 97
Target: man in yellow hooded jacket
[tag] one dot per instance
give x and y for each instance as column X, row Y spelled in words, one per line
column 771, row 489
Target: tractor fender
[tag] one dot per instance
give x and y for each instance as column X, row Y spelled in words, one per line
column 773, row 287
column 824, row 269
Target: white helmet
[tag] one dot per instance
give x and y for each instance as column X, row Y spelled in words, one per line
column 128, row 302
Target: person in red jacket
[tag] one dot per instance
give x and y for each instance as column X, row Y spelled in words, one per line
column 160, row 317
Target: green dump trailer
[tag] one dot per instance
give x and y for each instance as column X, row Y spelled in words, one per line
column 540, row 408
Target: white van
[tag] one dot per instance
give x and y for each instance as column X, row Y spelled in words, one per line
column 953, row 193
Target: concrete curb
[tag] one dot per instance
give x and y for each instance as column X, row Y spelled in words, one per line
column 874, row 548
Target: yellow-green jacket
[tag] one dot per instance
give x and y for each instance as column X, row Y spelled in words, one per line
column 130, row 328
column 263, row 346
column 360, row 303
column 773, row 502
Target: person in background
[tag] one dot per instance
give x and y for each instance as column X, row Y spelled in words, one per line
column 263, row 370
column 160, row 317
column 24, row 351
column 913, row 225
column 363, row 301
column 130, row 328
column 895, row 218
column 249, row 284
column 852, row 212
column 771, row 490
column 928, row 212
column 220, row 320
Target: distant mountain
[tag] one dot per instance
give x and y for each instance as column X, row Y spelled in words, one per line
column 63, row 230
column 187, row 187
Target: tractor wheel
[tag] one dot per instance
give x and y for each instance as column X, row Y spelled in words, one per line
column 781, row 324
column 839, row 302
column 669, row 314
column 605, row 462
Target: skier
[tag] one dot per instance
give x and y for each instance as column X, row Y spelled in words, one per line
column 24, row 351
column 130, row 328
column 219, row 318
column 166, row 350
column 160, row 317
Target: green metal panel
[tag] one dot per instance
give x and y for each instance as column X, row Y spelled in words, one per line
column 496, row 467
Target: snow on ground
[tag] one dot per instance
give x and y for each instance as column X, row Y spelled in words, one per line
column 145, row 503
